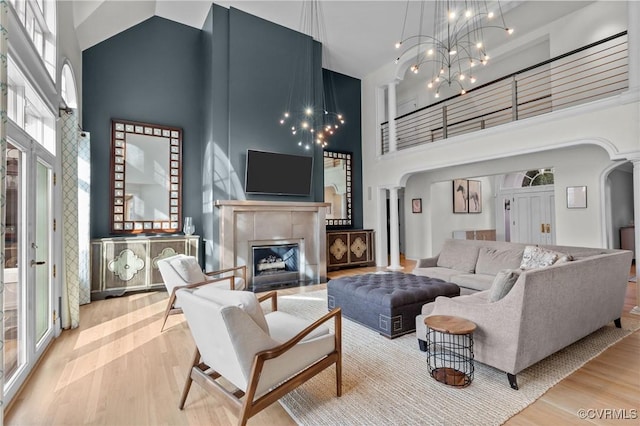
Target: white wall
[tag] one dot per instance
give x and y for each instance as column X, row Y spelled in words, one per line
column 590, row 24
column 444, row 221
column 575, row 166
column 580, row 227
column 69, row 49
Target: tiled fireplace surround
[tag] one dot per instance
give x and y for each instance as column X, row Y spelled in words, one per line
column 244, row 224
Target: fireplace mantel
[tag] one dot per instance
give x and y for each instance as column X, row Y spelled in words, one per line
column 244, row 222
column 269, row 205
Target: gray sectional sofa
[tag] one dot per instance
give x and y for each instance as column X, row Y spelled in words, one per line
column 472, row 264
column 547, row 308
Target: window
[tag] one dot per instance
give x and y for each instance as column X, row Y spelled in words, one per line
column 39, row 20
column 68, row 88
column 27, row 109
column 538, row 177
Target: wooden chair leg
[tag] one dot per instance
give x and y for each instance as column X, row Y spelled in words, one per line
column 187, row 384
column 246, row 409
column 339, row 377
column 166, row 315
column 172, row 300
column 185, row 391
column 338, row 343
column 243, row 417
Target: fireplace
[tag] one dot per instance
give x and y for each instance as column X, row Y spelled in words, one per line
column 275, row 264
column 248, row 223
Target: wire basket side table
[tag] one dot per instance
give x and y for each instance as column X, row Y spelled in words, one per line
column 450, row 349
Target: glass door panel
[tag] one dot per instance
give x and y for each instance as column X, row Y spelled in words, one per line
column 42, row 242
column 13, row 302
column 29, row 241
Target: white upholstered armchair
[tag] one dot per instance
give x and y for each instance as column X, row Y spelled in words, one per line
column 263, row 356
column 182, row 271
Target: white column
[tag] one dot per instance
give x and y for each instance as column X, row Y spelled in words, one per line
column 636, row 221
column 382, row 260
column 394, row 231
column 633, row 36
column 391, row 109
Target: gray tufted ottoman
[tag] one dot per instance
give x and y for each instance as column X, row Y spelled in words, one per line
column 387, row 303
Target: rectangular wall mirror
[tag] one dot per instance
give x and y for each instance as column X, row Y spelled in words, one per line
column 146, row 173
column 337, row 187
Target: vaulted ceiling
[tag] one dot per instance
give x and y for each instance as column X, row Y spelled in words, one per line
column 358, row 35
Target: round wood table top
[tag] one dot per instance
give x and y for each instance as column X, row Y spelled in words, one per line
column 450, row 324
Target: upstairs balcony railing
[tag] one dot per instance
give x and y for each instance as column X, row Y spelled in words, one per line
column 586, row 74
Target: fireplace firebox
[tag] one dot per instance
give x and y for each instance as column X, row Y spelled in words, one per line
column 275, row 265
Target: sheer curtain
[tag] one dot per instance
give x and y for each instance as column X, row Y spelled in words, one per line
column 71, row 271
column 75, row 226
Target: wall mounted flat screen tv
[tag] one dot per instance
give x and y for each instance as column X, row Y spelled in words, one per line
column 274, row 173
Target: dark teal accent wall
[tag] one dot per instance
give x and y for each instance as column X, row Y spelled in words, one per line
column 347, row 94
column 226, row 86
column 263, row 57
column 151, row 73
column 215, row 143
column 248, row 83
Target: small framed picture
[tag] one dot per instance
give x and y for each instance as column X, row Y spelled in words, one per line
column 474, row 192
column 416, row 205
column 460, row 200
column 576, row 197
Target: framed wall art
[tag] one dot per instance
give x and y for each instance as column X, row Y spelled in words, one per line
column 474, row 196
column 460, row 188
column 416, row 205
column 576, row 197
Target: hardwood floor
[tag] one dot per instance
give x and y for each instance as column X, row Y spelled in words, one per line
column 118, row 369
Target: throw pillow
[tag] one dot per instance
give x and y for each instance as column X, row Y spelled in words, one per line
column 502, row 284
column 458, row 255
column 538, row 257
column 245, row 300
column 491, row 260
column 188, row 269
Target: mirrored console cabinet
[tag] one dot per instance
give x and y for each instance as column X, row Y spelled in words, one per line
column 348, row 248
column 122, row 264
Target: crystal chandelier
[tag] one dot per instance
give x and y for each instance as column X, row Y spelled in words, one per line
column 456, row 46
column 311, row 122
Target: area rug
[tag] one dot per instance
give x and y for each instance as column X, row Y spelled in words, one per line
column 386, row 381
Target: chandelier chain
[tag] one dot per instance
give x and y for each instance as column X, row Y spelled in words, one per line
column 316, row 120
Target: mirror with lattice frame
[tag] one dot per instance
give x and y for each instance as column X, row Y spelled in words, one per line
column 146, row 178
column 338, row 168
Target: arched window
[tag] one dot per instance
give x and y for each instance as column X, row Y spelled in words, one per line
column 68, row 87
column 537, row 178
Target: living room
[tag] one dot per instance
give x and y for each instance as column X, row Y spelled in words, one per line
column 215, row 82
